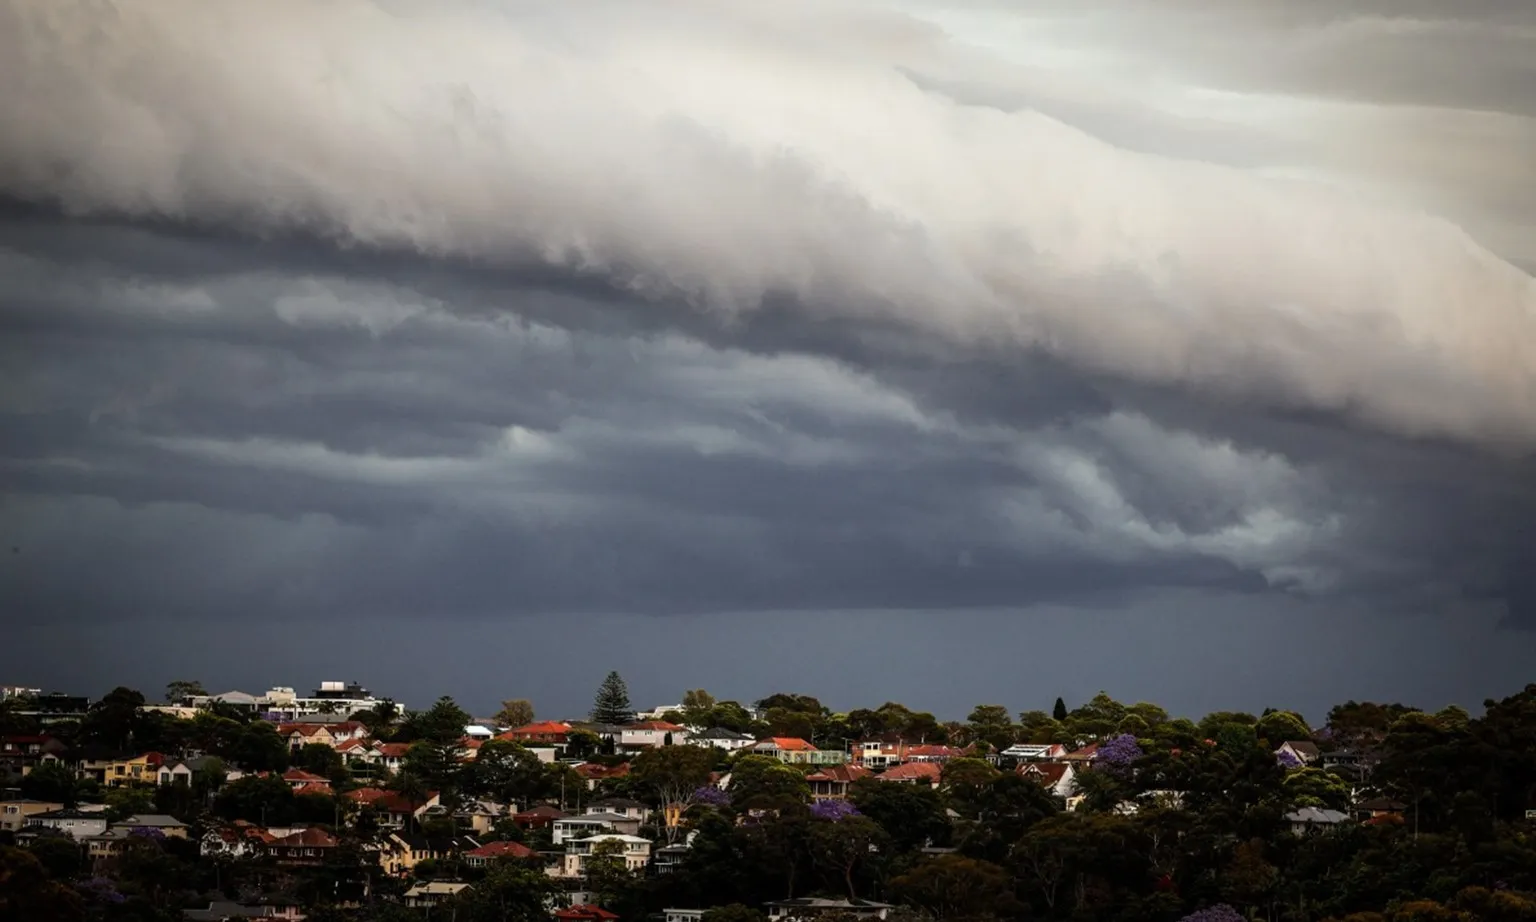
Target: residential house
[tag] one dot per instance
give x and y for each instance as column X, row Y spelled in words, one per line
column 721, row 738
column 19, row 754
column 635, row 851
column 432, row 892
column 498, row 851
column 1056, row 777
column 139, row 769
column 73, row 821
column 1085, row 755
column 185, row 770
column 14, row 813
column 479, row 816
column 237, row 840
column 578, row 827
column 805, row 908
column 623, row 806
column 648, row 734
column 166, row 825
column 551, row 732
column 299, row 779
column 1034, row 752
column 794, row 751
column 928, row 773
column 300, row 735
column 396, row 811
column 537, row 817
column 1304, row 752
column 403, row 851
column 302, row 848
column 93, row 762
column 1306, row 820
column 1378, row 808
column 683, row 915
column 593, row 772
column 830, row 782
column 230, row 911
column 479, row 732
column 669, row 858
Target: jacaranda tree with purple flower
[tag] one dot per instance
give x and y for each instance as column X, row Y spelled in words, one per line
column 100, row 890
column 1288, row 759
column 710, row 795
column 834, row 810
column 1120, row 751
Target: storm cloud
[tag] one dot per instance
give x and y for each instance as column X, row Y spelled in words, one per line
column 504, row 312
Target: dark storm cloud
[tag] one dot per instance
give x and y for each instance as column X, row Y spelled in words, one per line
column 379, row 350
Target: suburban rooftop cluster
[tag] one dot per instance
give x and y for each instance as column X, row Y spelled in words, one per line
column 343, row 805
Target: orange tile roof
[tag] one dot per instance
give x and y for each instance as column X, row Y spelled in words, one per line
column 789, row 744
column 843, row 773
column 653, row 725
column 366, row 795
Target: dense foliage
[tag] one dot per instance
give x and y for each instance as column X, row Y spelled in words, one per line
column 1172, row 819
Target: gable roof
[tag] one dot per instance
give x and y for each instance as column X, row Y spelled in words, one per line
column 310, row 837
column 913, row 771
column 652, row 725
column 502, row 850
column 1047, row 773
column 366, row 795
column 1304, row 748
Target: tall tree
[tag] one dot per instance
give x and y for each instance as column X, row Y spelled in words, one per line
column 1059, row 712
column 516, row 712
column 611, row 706
column 180, row 690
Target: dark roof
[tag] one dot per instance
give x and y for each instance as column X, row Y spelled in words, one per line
column 219, row 910
column 624, row 802
column 720, row 733
column 70, row 813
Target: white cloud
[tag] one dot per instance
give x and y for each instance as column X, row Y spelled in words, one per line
column 715, row 154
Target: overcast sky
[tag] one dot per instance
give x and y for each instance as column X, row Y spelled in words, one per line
column 944, row 352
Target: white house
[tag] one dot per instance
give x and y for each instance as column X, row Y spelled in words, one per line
column 799, row 910
column 1034, row 752
column 74, row 822
column 621, row 806
column 568, row 828
column 683, row 915
column 635, row 851
column 647, row 734
column 721, row 738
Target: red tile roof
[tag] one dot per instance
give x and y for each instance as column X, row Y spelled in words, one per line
column 299, row 774
column 788, row 744
column 393, row 750
column 502, row 850
column 312, row 837
column 349, row 745
column 1048, row 773
column 653, row 725
column 913, row 771
column 844, row 773
column 366, row 795
column 585, row 913
column 314, row 788
column 541, row 728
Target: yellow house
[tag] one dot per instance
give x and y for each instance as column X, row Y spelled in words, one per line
column 14, row 813
column 143, row 769
column 403, row 851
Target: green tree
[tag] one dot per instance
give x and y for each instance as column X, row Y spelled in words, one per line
column 1277, row 727
column 180, row 690
column 50, row 782
column 697, row 701
column 759, row 782
column 28, row 894
column 112, row 720
column 733, row 912
column 127, row 800
column 842, row 846
column 956, row 887
column 515, row 712
column 320, row 759
column 992, row 724
column 673, row 773
column 509, row 892
column 1059, row 712
column 912, row 814
column 611, row 705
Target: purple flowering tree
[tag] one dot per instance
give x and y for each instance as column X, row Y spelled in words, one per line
column 1119, row 751
column 1221, row 912
column 100, row 890
column 710, row 795
column 147, row 832
column 1287, row 759
column 834, row 810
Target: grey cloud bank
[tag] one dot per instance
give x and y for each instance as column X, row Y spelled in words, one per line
column 499, row 323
